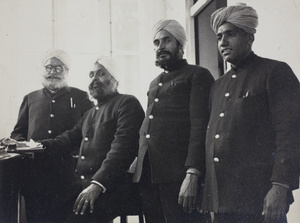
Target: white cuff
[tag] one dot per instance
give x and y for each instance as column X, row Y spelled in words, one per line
column 282, row 185
column 194, row 171
column 100, row 185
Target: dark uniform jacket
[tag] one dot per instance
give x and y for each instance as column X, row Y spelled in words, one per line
column 44, row 115
column 173, row 131
column 108, row 139
column 253, row 135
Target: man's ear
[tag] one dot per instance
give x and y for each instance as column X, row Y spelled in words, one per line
column 250, row 38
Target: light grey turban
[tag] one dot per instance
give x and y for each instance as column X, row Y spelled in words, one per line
column 110, row 65
column 173, row 27
column 60, row 55
column 241, row 15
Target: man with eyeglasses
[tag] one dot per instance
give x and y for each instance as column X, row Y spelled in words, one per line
column 44, row 114
column 108, row 136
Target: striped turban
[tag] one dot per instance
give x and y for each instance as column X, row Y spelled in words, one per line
column 58, row 54
column 241, row 15
column 173, row 27
column 110, row 65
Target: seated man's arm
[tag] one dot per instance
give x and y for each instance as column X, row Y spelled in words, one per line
column 64, row 142
column 21, row 128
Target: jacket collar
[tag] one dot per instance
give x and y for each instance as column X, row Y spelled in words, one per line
column 244, row 63
column 60, row 92
column 108, row 98
column 176, row 66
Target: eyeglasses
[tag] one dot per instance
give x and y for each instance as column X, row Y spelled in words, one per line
column 57, row 68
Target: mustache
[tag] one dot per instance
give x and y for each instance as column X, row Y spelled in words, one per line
column 160, row 52
column 53, row 77
column 95, row 83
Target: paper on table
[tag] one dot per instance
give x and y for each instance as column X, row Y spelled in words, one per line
column 26, row 146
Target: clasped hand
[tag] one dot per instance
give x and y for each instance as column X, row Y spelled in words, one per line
column 87, row 198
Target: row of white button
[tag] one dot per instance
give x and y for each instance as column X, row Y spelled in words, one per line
column 157, row 99
column 51, row 115
column 83, row 157
column 222, row 114
column 151, row 116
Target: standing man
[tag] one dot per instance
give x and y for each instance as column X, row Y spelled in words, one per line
column 252, row 142
column 108, row 139
column 170, row 164
column 45, row 114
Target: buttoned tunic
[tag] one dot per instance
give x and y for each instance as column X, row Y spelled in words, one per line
column 173, row 131
column 108, row 139
column 44, row 115
column 253, row 135
column 48, row 180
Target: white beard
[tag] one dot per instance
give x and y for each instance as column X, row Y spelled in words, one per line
column 54, row 84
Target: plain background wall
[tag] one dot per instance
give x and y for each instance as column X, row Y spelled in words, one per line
column 82, row 27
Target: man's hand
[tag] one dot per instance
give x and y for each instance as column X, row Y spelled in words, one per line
column 275, row 204
column 188, row 193
column 87, row 197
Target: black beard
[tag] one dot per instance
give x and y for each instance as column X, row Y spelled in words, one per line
column 167, row 64
column 100, row 91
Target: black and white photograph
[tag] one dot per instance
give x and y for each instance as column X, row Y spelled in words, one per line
column 149, row 111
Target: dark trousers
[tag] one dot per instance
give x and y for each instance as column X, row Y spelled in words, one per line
column 49, row 186
column 160, row 205
column 160, row 201
column 36, row 214
column 46, row 201
column 241, row 218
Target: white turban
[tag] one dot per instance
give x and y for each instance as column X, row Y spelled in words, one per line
column 60, row 55
column 173, row 27
column 240, row 15
column 110, row 65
